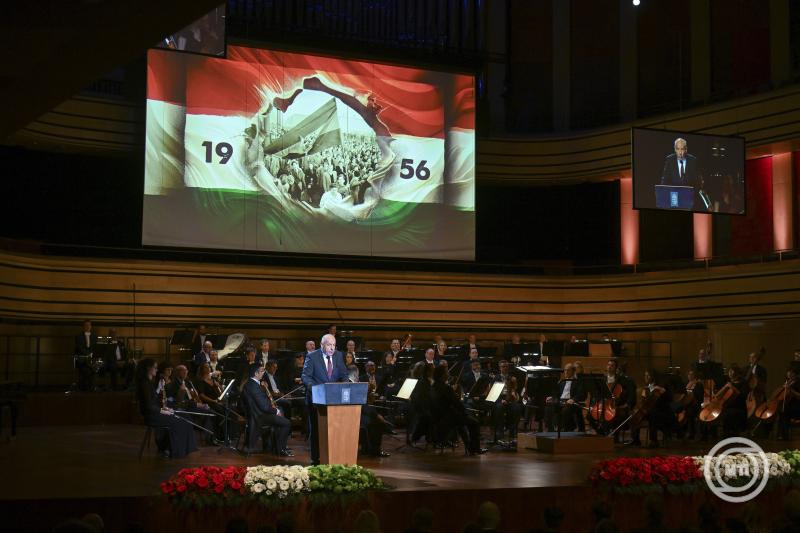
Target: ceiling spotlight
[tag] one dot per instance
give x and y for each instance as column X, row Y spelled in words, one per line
column 637, row 2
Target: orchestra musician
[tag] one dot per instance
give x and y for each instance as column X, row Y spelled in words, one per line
column 270, row 380
column 310, row 347
column 179, row 440
column 85, row 347
column 655, row 409
column 795, row 362
column 474, row 355
column 388, row 381
column 352, row 368
column 441, row 349
column 734, row 417
column 371, row 420
column 472, row 343
column 757, row 375
column 507, row 410
column 350, row 349
column 790, row 409
column 620, row 397
column 419, row 403
column 471, row 376
column 262, row 357
column 216, row 367
column 447, row 411
column 430, row 357
column 394, row 350
column 568, row 396
column 321, row 366
column 691, row 404
column 263, row 412
column 118, row 363
column 205, row 355
column 199, row 339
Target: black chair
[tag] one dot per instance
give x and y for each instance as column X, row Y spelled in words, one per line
column 266, row 431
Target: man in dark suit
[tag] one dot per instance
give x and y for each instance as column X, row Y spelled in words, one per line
column 198, row 339
column 325, row 365
column 205, row 355
column 471, row 376
column 85, row 348
column 262, row 413
column 567, row 395
column 680, row 168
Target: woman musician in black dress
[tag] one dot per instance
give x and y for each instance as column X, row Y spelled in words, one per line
column 179, row 439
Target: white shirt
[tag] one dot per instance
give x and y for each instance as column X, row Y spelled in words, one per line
column 88, row 336
column 272, row 384
column 265, row 357
column 119, row 355
column 567, row 390
column 681, row 167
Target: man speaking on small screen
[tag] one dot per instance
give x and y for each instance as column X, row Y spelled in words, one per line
column 680, row 168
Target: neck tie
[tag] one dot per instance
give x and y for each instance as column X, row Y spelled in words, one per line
column 330, row 367
column 681, row 169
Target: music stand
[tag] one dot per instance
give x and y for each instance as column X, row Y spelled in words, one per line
column 495, row 392
column 405, row 394
column 226, row 443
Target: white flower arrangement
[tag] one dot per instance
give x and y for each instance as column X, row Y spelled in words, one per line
column 277, row 481
column 742, row 466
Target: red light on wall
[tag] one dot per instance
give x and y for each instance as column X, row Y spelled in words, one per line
column 628, row 221
column 782, row 221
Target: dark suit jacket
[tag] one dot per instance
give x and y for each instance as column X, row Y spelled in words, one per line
column 257, row 399
column 468, row 380
column 670, row 175
column 315, row 371
column 576, row 391
column 200, row 358
column 761, row 373
column 80, row 344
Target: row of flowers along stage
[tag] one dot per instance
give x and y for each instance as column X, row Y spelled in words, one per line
column 329, row 497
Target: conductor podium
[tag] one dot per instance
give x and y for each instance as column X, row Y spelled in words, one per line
column 338, row 419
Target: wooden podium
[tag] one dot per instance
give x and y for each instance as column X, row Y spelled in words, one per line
column 338, row 420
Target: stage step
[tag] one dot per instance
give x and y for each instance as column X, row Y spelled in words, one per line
column 567, row 442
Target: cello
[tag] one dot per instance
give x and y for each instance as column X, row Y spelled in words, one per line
column 777, row 402
column 686, row 400
column 605, row 409
column 713, row 409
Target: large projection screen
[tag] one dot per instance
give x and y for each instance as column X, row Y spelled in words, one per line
column 278, row 151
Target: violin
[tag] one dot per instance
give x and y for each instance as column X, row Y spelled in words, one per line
column 777, row 402
column 713, row 409
column 606, row 408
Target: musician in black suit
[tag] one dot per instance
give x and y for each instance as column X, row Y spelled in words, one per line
column 388, row 380
column 447, row 412
column 198, row 339
column 263, row 413
column 85, row 348
column 506, row 411
column 471, row 376
column 565, row 400
column 273, row 384
column 656, row 398
column 118, row 364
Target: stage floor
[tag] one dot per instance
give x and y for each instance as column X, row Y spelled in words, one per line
column 102, row 461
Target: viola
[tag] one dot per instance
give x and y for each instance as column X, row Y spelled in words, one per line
column 780, row 397
column 714, row 408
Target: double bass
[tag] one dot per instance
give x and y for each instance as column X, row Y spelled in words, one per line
column 713, row 409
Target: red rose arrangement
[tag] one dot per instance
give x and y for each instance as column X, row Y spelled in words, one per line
column 205, row 485
column 628, row 471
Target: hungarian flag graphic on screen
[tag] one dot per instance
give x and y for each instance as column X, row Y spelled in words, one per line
column 279, row 151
